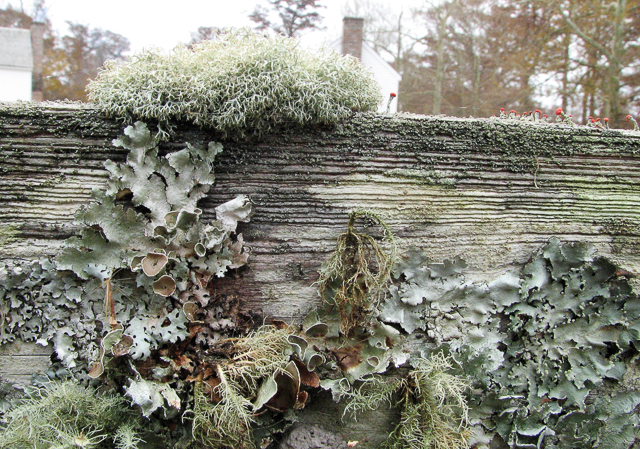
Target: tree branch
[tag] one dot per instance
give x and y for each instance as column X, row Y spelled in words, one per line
column 584, row 36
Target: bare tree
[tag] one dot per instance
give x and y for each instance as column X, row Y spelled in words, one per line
column 387, row 30
column 608, row 33
column 205, row 34
column 288, row 17
column 77, row 57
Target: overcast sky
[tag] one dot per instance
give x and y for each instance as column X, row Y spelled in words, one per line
column 148, row 23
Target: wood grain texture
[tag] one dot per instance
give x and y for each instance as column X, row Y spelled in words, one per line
column 489, row 191
column 19, row 361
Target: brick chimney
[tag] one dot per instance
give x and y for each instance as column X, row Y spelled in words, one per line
column 37, row 47
column 352, row 36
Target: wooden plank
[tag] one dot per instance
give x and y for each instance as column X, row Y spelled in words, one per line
column 19, row 361
column 490, row 191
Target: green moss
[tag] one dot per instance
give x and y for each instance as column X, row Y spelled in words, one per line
column 8, row 234
column 430, row 177
column 515, row 145
column 620, row 226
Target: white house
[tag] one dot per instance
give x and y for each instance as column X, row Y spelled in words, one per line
column 352, row 43
column 21, row 53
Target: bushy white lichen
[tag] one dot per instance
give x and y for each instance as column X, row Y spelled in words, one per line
column 69, row 415
column 242, row 84
column 433, row 407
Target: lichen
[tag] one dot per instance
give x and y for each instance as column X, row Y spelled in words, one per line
column 433, row 406
column 241, row 84
column 547, row 349
column 354, row 277
column 97, row 284
column 539, row 344
column 69, row 415
column 247, row 375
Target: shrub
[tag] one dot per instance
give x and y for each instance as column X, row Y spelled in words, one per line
column 242, row 84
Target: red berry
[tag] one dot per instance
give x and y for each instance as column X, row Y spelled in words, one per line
column 501, row 109
column 392, row 95
column 628, row 117
column 606, row 119
column 558, row 111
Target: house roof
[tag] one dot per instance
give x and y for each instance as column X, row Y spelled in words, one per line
column 372, row 55
column 384, row 65
column 15, row 48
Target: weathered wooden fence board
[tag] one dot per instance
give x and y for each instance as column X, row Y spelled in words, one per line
column 19, row 361
column 490, row 191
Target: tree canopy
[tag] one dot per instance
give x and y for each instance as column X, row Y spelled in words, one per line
column 71, row 60
column 472, row 57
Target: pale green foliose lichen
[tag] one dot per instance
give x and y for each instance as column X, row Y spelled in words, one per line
column 130, row 256
column 546, row 347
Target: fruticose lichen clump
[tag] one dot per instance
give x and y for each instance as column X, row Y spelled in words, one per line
column 433, row 407
column 69, row 415
column 359, row 269
column 242, row 84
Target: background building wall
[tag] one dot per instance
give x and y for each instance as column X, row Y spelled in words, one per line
column 15, row 84
column 16, row 64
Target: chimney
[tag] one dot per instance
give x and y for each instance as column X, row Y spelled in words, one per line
column 352, row 36
column 37, row 48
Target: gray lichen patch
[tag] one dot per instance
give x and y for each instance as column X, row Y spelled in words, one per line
column 97, row 283
column 540, row 344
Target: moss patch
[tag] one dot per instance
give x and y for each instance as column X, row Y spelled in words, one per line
column 8, row 234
